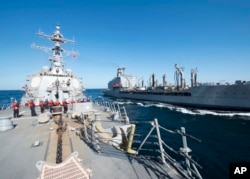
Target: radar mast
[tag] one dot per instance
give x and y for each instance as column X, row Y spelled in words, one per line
column 56, row 58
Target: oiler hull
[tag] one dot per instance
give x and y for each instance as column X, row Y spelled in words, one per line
column 221, row 97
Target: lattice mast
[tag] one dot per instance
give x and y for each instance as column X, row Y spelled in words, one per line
column 56, row 58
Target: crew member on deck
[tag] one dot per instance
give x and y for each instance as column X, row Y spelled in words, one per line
column 32, row 108
column 15, row 107
column 41, row 104
column 50, row 103
column 65, row 105
column 46, row 104
column 57, row 103
column 72, row 101
column 78, row 101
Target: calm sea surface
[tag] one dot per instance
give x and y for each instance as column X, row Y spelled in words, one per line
column 225, row 135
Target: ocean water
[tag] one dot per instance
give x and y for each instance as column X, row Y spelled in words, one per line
column 225, row 136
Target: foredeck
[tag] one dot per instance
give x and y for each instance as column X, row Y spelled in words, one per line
column 19, row 157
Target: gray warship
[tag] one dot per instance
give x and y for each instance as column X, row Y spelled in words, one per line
column 92, row 139
column 54, row 82
column 217, row 96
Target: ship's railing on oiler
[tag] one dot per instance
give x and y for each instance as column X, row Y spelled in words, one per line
column 188, row 168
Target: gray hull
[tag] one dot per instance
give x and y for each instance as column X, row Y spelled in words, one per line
column 223, row 97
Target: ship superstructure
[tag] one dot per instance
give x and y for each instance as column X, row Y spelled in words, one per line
column 122, row 80
column 54, row 82
column 235, row 97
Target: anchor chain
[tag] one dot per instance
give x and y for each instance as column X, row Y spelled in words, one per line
column 60, row 131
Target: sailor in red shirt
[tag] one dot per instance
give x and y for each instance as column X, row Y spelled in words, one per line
column 79, row 101
column 15, row 107
column 41, row 104
column 50, row 103
column 72, row 101
column 57, row 103
column 32, row 108
column 46, row 104
column 65, row 105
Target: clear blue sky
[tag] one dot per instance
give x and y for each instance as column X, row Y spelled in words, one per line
column 143, row 36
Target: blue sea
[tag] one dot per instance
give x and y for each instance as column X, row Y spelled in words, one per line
column 225, row 135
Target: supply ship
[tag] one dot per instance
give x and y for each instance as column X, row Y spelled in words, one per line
column 91, row 139
column 231, row 97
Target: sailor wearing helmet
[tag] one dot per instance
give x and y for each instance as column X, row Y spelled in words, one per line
column 41, row 104
column 32, row 108
column 15, row 107
column 65, row 105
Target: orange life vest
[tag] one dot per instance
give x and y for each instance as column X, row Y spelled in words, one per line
column 50, row 103
column 15, row 105
column 57, row 103
column 64, row 103
column 41, row 104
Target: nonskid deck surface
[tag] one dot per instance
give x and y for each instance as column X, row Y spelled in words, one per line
column 19, row 155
